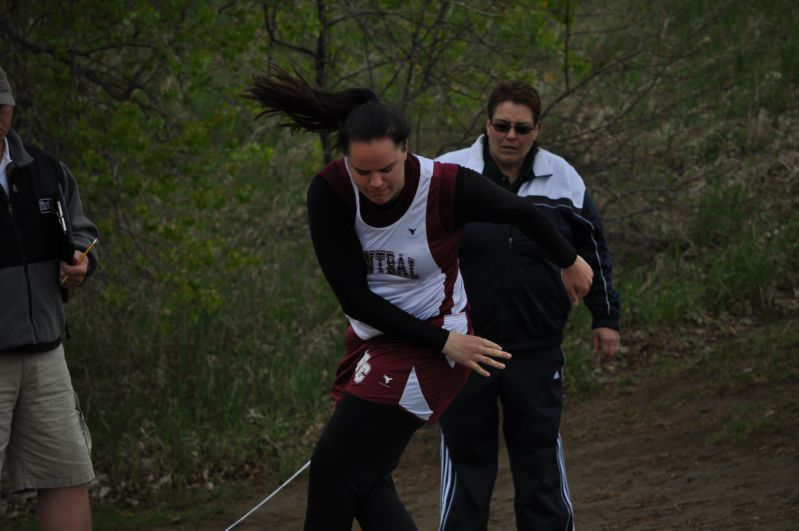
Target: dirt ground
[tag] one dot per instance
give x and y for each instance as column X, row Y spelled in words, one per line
column 650, row 451
column 700, row 433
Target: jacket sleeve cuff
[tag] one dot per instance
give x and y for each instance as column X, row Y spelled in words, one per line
column 606, row 322
column 568, row 258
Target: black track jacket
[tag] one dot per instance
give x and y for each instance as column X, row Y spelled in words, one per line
column 515, row 291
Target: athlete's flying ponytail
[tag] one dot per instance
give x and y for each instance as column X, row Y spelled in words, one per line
column 354, row 114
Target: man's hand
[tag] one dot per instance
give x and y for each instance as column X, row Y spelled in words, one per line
column 72, row 276
column 473, row 350
column 577, row 279
column 606, row 343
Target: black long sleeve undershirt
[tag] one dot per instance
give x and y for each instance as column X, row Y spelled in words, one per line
column 340, row 255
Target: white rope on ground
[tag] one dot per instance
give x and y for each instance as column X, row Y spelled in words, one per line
column 289, row 480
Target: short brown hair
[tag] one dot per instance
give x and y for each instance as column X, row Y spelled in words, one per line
column 518, row 92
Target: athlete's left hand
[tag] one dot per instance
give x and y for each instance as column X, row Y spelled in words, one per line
column 472, row 351
column 606, row 342
column 75, row 274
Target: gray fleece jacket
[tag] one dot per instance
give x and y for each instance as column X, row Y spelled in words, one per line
column 41, row 224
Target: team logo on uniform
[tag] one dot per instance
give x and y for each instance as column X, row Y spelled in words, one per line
column 363, row 368
column 386, row 380
column 46, row 205
column 413, row 232
column 390, row 263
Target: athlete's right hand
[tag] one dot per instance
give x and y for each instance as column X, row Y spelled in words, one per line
column 471, row 351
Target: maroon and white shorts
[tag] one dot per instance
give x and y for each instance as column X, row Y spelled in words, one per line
column 420, row 380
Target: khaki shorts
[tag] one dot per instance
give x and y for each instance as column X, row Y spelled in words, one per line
column 42, row 431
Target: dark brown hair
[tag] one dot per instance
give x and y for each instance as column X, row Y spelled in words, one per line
column 517, row 92
column 354, row 114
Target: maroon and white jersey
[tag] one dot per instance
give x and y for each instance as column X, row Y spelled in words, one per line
column 421, row 380
column 413, row 263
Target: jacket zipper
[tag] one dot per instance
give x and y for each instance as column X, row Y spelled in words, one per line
column 508, row 262
column 11, row 186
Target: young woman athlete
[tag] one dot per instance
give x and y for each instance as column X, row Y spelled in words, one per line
column 385, row 226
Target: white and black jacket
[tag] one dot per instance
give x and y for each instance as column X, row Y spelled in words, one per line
column 515, row 291
column 41, row 224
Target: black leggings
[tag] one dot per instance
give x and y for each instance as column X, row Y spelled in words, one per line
column 351, row 468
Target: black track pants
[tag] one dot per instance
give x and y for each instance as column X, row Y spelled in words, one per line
column 350, row 474
column 531, row 392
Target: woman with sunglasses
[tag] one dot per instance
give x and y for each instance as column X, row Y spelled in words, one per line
column 385, row 227
column 517, row 300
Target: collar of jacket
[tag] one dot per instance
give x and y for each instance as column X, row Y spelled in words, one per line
column 474, row 160
column 19, row 155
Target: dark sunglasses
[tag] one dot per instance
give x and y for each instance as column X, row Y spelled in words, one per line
column 501, row 127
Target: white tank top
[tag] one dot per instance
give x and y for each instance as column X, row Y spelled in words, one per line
column 403, row 269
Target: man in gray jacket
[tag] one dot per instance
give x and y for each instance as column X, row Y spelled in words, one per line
column 43, row 235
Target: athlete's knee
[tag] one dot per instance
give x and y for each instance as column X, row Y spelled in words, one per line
column 325, row 464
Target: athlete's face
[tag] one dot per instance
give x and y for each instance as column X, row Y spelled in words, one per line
column 510, row 147
column 378, row 168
